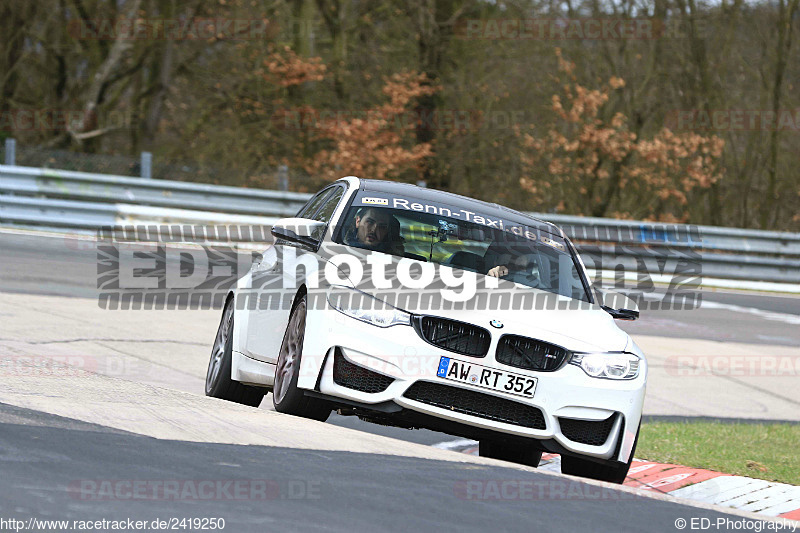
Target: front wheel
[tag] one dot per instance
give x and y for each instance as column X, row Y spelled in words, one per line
column 514, row 452
column 286, row 396
column 613, row 473
column 218, row 377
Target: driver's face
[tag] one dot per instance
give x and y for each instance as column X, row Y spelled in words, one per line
column 372, row 228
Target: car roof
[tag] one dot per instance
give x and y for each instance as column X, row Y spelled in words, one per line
column 434, row 195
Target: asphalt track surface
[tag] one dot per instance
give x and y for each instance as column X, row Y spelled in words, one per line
column 310, row 490
column 43, row 456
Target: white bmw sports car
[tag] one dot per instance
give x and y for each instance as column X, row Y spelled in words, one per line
column 419, row 308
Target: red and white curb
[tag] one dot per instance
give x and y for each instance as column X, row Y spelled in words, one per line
column 754, row 495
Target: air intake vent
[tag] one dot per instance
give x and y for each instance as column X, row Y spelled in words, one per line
column 593, row 433
column 453, row 336
column 357, row 377
column 476, row 404
column 530, row 354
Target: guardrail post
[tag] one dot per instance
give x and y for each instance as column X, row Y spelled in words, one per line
column 283, row 178
column 147, row 165
column 11, row 149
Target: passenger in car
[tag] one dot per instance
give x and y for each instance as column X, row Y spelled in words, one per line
column 518, row 269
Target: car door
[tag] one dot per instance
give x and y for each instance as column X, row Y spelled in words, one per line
column 277, row 278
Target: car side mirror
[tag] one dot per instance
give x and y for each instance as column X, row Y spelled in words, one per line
column 302, row 231
column 616, row 304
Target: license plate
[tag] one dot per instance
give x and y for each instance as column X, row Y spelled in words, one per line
column 485, row 377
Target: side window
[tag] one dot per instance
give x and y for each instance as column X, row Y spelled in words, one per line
column 311, row 207
column 326, row 212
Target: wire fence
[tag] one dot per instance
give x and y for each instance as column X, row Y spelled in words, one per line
column 119, row 165
column 280, row 178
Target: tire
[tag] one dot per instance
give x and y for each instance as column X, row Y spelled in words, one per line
column 286, row 396
column 613, row 473
column 514, row 452
column 218, row 377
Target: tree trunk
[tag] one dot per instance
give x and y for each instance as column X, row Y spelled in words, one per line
column 785, row 19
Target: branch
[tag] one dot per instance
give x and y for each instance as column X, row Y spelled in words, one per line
column 91, row 134
column 84, row 16
column 118, row 49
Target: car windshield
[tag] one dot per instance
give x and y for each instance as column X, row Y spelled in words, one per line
column 521, row 254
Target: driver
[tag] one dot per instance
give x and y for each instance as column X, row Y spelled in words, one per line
column 376, row 229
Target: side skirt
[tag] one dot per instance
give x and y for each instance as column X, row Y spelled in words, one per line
column 252, row 372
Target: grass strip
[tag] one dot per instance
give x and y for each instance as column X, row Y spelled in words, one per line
column 763, row 451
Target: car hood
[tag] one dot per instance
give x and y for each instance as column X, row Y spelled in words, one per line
column 581, row 330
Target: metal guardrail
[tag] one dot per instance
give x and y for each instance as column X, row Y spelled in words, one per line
column 676, row 250
column 709, row 238
column 68, row 214
column 78, row 200
column 100, row 188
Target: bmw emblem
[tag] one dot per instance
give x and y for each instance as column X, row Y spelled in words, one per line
column 496, row 324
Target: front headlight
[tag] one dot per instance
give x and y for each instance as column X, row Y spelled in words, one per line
column 366, row 308
column 617, row 365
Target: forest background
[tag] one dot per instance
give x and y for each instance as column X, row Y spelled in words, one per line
column 670, row 110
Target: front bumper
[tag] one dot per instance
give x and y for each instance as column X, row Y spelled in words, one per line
column 566, row 397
